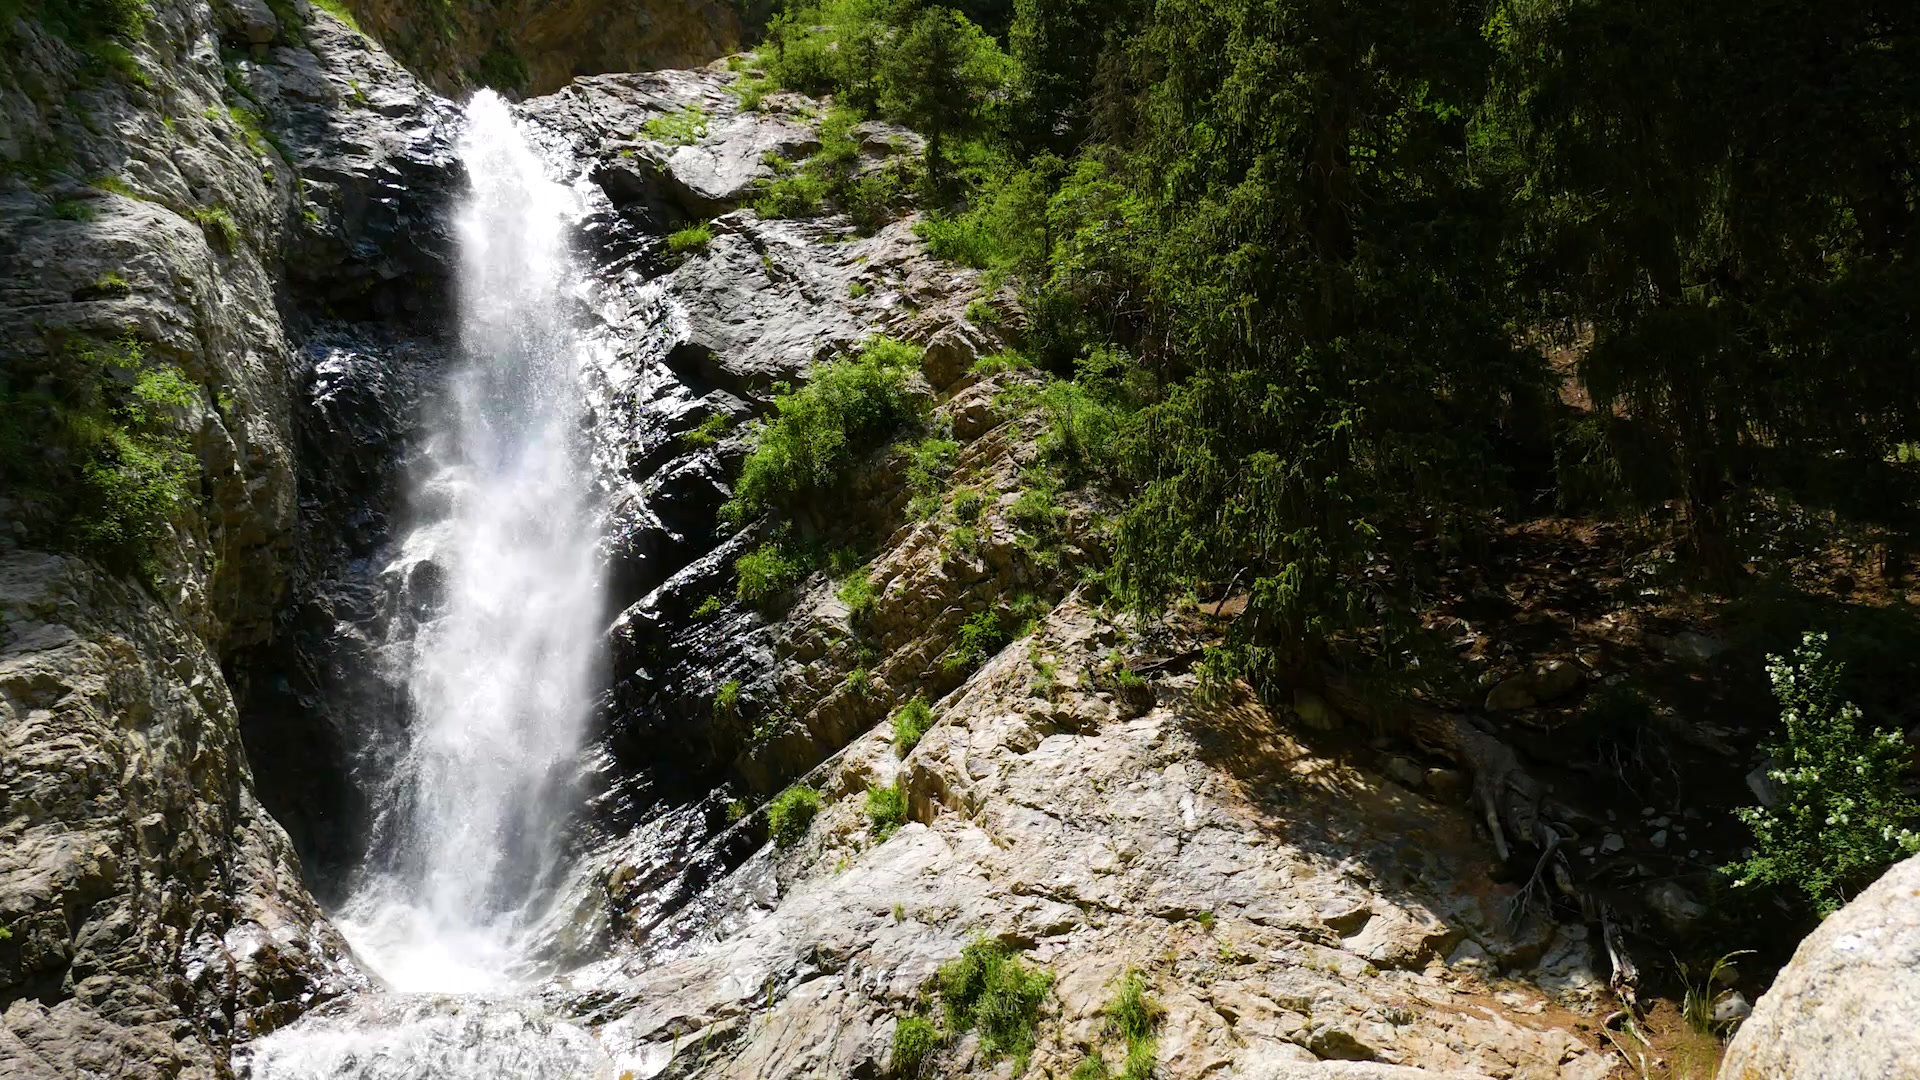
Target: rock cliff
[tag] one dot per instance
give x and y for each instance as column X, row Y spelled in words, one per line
column 536, row 46
column 168, row 184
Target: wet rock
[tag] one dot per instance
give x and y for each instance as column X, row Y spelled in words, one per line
column 1095, row 846
column 720, row 171
column 247, row 22
column 1557, row 678
column 156, row 912
column 1844, row 1006
column 1448, row 785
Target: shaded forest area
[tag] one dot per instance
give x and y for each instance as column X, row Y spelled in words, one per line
column 1456, row 345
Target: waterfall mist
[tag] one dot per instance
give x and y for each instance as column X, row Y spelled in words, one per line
column 502, row 569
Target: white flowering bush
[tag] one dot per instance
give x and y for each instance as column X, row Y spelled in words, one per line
column 1844, row 814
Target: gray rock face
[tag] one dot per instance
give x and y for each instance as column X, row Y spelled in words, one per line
column 1289, row 913
column 1845, row 1006
column 156, row 913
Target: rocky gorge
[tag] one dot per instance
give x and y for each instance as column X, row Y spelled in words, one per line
column 258, row 197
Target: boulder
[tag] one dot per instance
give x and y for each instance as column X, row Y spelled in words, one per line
column 1845, row 1006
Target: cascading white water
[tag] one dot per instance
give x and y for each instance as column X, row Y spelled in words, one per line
column 501, row 675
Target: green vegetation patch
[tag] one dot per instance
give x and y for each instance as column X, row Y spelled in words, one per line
column 691, row 238
column 683, row 127
column 982, row 635
column 500, row 68
column 886, row 809
column 94, row 434
column 852, row 406
column 708, row 433
column 987, row 988
column 910, row 723
column 915, row 1039
column 791, row 814
column 769, row 572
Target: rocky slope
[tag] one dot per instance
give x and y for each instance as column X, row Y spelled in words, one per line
column 1285, row 909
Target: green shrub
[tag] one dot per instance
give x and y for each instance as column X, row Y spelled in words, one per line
column 988, row 989
column 798, row 195
column 1005, row 360
column 768, row 572
column 967, row 504
column 1083, row 431
column 914, row 1041
column 791, row 814
column 980, row 637
column 727, row 698
column 501, row 68
column 910, row 722
column 852, row 406
column 1035, row 512
column 967, row 239
column 860, row 682
column 886, row 809
column 684, row 127
column 691, row 238
column 857, row 593
column 708, row 433
column 1134, row 1016
column 109, row 284
column 929, row 465
column 1843, row 815
column 217, row 221
column 708, row 608
column 857, row 290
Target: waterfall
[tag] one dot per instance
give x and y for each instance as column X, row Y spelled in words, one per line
column 501, row 565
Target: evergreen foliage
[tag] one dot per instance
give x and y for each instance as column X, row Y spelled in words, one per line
column 1322, row 284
